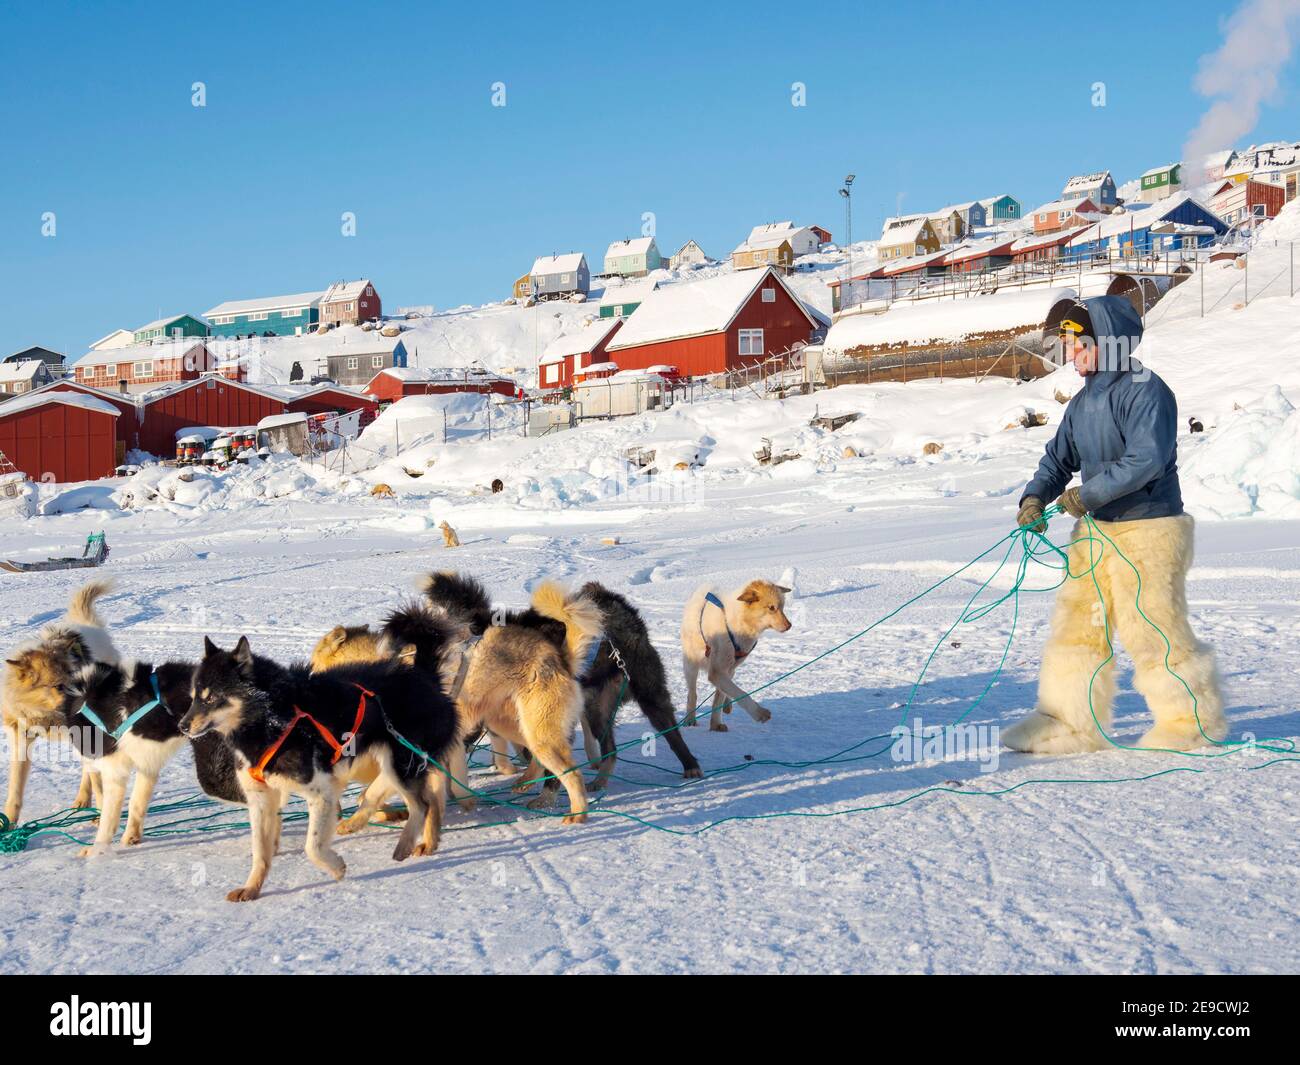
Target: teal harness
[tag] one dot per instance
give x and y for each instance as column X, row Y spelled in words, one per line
column 132, row 718
column 735, row 644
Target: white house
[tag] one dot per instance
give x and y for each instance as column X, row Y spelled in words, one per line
column 689, row 254
column 118, row 338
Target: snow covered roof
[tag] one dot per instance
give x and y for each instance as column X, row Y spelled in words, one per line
column 762, row 243
column 1064, row 206
column 1086, row 181
column 266, row 303
column 1025, row 243
column 947, row 320
column 167, row 349
column 274, row 421
column 989, row 201
column 911, row 262
column 20, row 371
column 1159, row 170
column 980, row 248
column 70, row 399
column 580, row 342
column 160, row 323
column 344, row 290
column 904, row 232
column 635, row 246
column 557, row 264
column 695, row 309
column 420, row 374
column 1128, row 220
column 202, row 381
column 632, row 292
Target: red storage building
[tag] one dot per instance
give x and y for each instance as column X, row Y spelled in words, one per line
column 325, row 399
column 60, row 436
column 211, row 400
column 397, row 382
column 707, row 327
column 128, row 422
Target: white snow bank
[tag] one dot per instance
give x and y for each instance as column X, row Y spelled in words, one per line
column 1249, row 465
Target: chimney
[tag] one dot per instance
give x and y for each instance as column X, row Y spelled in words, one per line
column 121, row 386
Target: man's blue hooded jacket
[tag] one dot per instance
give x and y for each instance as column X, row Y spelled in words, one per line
column 1120, row 429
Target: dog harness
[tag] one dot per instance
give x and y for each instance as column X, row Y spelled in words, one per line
column 258, row 771
column 466, row 652
column 591, row 658
column 132, row 718
column 735, row 644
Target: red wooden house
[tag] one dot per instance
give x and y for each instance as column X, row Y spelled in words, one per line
column 708, row 327
column 565, row 357
column 396, row 382
column 144, row 367
column 210, row 400
column 60, row 436
column 1043, row 248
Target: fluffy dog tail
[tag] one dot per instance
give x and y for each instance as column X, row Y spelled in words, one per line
column 583, row 623
column 461, row 598
column 416, row 625
column 81, row 607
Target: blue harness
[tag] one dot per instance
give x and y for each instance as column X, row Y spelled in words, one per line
column 735, row 644
column 136, row 715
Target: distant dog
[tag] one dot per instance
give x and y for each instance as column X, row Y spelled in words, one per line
column 142, row 704
column 449, row 537
column 520, row 681
column 296, row 732
column 35, row 679
column 383, row 491
column 718, row 633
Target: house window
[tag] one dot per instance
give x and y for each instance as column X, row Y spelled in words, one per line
column 110, row 369
column 564, row 279
column 751, row 342
column 369, row 291
column 769, row 295
column 376, row 361
column 552, row 371
column 291, row 314
column 144, row 369
column 352, row 362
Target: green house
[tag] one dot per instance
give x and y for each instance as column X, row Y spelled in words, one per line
column 1161, row 181
column 178, row 325
column 619, row 301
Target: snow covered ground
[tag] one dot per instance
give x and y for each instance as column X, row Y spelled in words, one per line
column 993, row 862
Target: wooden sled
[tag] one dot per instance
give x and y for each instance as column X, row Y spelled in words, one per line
column 95, row 553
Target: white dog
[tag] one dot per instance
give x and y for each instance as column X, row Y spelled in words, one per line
column 718, row 633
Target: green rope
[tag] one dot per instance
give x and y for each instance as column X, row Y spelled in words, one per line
column 1035, row 549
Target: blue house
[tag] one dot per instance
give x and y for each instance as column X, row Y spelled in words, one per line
column 1173, row 224
column 279, row 315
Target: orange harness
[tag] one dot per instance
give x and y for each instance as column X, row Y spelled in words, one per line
column 258, row 772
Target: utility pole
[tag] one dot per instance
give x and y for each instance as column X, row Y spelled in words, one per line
column 847, row 192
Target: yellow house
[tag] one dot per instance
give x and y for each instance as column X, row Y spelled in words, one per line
column 906, row 239
column 524, row 287
column 772, row 251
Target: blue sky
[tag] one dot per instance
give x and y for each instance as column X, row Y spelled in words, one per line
column 385, row 110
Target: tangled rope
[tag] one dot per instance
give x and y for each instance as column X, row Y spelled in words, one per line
column 1035, row 549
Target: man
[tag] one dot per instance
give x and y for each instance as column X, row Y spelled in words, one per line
column 1120, row 430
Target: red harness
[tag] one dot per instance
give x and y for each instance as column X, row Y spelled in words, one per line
column 258, row 771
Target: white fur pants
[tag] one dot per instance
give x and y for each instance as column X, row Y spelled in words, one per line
column 1161, row 551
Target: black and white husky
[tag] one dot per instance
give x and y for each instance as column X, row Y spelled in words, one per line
column 126, row 718
column 298, row 732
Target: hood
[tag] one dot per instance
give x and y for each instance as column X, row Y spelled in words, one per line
column 1118, row 329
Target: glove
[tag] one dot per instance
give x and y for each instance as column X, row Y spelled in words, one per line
column 1072, row 501
column 1031, row 514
